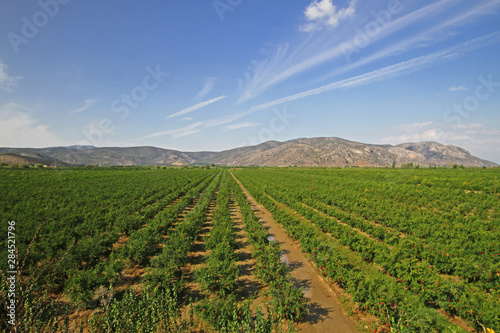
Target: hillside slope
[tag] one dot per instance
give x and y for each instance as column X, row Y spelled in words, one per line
column 333, row 151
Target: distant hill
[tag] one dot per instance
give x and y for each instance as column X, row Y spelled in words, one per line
column 299, row 152
column 341, row 152
column 32, row 158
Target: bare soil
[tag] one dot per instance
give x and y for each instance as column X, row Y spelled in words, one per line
column 457, row 321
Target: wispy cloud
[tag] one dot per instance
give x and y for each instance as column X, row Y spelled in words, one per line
column 325, row 13
column 196, row 107
column 399, row 69
column 200, row 125
column 241, row 125
column 227, row 119
column 485, row 7
column 423, row 39
column 20, row 129
column 7, row 82
column 88, row 103
column 469, row 126
column 207, row 87
column 187, row 118
column 393, row 71
column 414, row 126
column 388, row 72
column 459, row 88
column 343, row 46
column 290, row 59
column 175, row 133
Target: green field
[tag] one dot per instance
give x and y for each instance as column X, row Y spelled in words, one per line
column 426, row 240
column 417, row 248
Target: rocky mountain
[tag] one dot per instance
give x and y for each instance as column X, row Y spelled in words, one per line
column 341, row 152
column 335, row 152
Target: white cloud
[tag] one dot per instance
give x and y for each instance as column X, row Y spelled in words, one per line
column 207, row 87
column 444, row 134
column 476, row 138
column 19, row 129
column 470, row 126
column 7, row 82
column 187, row 118
column 241, row 125
column 293, row 58
column 459, row 88
column 428, row 37
column 289, row 61
column 324, row 12
column 88, row 103
column 429, row 135
column 414, row 126
column 196, row 107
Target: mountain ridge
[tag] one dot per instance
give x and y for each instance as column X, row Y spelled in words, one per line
column 318, row 151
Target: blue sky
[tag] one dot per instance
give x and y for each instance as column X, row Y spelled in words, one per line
column 212, row 75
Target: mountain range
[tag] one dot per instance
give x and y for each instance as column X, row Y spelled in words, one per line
column 331, row 151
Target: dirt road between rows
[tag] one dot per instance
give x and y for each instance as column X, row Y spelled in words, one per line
column 326, row 313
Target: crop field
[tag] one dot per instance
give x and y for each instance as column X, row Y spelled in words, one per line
column 186, row 250
column 417, row 248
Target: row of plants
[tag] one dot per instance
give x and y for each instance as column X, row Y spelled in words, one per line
column 287, row 301
column 370, row 289
column 220, row 308
column 458, row 298
column 158, row 306
column 144, row 242
column 429, row 205
column 448, row 259
column 96, row 203
column 65, row 234
column 219, row 273
column 82, row 281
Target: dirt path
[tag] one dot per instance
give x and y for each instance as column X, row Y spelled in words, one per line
column 326, row 313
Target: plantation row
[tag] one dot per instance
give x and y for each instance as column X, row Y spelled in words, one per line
column 382, row 265
column 81, row 205
column 143, row 243
column 218, row 277
column 158, row 308
column 68, row 222
column 84, row 229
